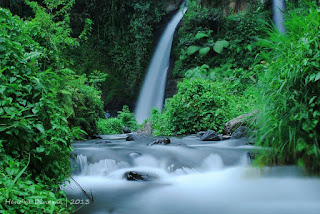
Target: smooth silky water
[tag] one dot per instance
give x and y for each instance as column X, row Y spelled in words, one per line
column 190, row 176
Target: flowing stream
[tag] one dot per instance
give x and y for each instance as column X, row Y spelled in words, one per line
column 152, row 91
column 188, row 176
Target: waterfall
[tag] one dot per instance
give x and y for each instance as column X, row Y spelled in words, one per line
column 152, row 91
column 278, row 7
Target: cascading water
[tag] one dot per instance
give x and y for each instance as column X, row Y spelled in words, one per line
column 188, row 176
column 278, row 6
column 152, row 91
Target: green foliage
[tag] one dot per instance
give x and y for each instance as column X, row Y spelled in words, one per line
column 110, row 126
column 127, row 118
column 82, row 101
column 24, row 194
column 289, row 92
column 200, row 104
column 192, row 49
column 116, row 125
column 220, row 45
column 37, row 101
column 232, row 38
column 120, row 45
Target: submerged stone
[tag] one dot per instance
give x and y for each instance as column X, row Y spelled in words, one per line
column 210, row 136
column 164, row 141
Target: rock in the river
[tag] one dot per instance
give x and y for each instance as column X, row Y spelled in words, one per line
column 138, row 137
column 240, row 132
column 126, row 130
column 199, row 134
column 235, row 123
column 136, row 176
column 163, row 141
column 130, row 138
column 210, row 136
column 146, row 129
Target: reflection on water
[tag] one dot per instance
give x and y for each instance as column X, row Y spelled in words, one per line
column 190, row 177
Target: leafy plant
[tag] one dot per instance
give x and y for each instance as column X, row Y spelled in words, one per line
column 127, row 118
column 289, row 90
column 110, row 126
column 35, row 105
column 200, row 104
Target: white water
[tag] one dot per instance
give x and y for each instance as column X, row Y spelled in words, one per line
column 198, row 177
column 152, row 91
column 278, row 7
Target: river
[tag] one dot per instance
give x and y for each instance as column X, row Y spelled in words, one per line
column 187, row 176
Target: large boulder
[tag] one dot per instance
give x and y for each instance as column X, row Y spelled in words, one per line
column 199, row 134
column 146, row 129
column 136, row 176
column 235, row 123
column 240, row 132
column 163, row 141
column 210, row 136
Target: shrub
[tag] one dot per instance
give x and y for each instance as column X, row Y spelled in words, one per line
column 115, row 125
column 34, row 128
column 127, row 118
column 200, row 104
column 110, row 126
column 289, row 90
column 82, row 100
column 20, row 194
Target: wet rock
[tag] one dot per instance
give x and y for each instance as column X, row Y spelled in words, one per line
column 130, row 138
column 126, row 130
column 164, row 141
column 235, row 123
column 138, row 137
column 199, row 134
column 137, row 176
column 240, row 132
column 210, row 136
column 146, row 129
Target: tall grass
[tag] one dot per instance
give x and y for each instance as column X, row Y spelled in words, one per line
column 289, row 92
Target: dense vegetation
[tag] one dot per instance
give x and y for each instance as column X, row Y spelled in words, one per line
column 288, row 98
column 116, row 125
column 120, row 45
column 44, row 106
column 215, row 55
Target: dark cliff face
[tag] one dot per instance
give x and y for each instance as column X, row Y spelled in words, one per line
column 172, row 5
